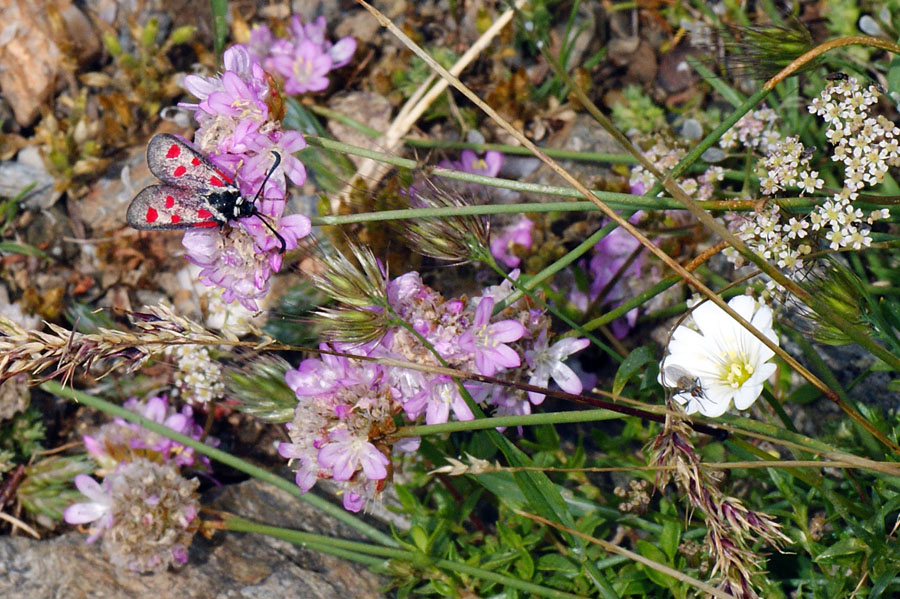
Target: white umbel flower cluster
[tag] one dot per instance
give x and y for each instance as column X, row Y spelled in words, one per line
column 867, row 145
column 199, row 378
column 720, row 363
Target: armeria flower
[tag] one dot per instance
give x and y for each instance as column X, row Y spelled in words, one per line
column 146, row 514
column 488, row 341
column 340, row 53
column 342, row 404
column 304, row 65
column 489, row 166
column 442, row 397
column 469, row 162
column 615, row 270
column 547, row 362
column 728, row 364
column 239, row 134
column 344, row 454
column 516, row 235
column 303, row 59
column 121, row 440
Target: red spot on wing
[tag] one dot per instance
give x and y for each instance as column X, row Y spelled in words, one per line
column 152, row 215
column 224, row 176
column 175, row 219
column 179, row 172
column 170, row 201
column 174, row 151
column 214, row 180
column 207, row 224
column 195, row 161
column 204, row 213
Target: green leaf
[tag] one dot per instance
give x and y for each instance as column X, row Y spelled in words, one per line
column 557, row 563
column 651, row 551
column 632, row 364
column 804, row 394
column 329, row 169
column 669, row 539
column 843, row 548
column 21, row 248
column 220, row 26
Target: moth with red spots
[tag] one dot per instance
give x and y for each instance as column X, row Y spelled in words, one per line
column 194, row 192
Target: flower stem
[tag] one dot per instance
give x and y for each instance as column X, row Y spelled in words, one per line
column 507, row 421
column 862, row 40
column 477, row 147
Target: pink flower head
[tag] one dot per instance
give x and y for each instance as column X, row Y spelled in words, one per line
column 469, row 162
column 488, row 166
column 118, row 438
column 443, row 395
column 260, row 42
column 340, row 53
column 237, row 99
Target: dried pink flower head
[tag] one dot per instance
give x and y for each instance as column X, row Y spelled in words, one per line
column 147, row 514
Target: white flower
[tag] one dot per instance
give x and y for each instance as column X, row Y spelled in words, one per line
column 728, row 363
column 547, row 362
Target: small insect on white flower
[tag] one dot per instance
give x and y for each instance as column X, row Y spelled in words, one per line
column 684, row 381
column 720, row 364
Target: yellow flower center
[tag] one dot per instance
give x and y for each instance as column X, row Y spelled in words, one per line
column 736, row 369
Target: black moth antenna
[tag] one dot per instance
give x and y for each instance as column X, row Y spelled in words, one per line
column 262, row 217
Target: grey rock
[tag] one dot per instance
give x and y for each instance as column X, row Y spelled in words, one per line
column 16, row 176
column 230, row 565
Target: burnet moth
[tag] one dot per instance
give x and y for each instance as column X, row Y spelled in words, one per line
column 194, row 192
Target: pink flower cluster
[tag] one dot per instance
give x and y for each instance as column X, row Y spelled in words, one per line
column 303, row 59
column 345, row 406
column 120, row 440
column 241, row 136
column 144, row 510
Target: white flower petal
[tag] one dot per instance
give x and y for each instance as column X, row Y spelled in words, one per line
column 81, row 513
column 566, row 378
column 90, row 488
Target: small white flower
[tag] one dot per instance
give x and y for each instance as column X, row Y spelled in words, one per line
column 547, row 362
column 729, row 364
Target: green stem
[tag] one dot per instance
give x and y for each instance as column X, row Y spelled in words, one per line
column 112, row 409
column 625, row 199
column 477, row 147
column 507, row 421
column 416, row 559
column 636, row 301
